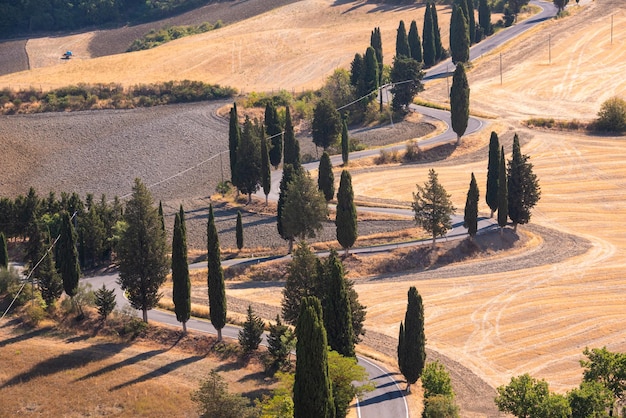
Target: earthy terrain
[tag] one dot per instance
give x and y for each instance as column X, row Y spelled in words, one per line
column 499, row 317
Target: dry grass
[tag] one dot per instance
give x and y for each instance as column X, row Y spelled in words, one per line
column 41, row 371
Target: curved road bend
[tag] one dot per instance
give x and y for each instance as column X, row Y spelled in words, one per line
column 387, row 400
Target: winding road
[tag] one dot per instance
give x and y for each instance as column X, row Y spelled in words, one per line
column 387, row 400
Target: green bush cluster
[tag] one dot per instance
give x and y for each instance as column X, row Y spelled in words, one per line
column 109, row 96
column 156, row 37
column 612, row 116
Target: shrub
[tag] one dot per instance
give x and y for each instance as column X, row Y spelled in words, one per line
column 412, row 151
column 387, row 157
column 9, row 278
column 612, row 116
column 213, row 400
column 440, row 406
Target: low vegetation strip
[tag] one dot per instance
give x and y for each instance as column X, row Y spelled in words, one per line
column 155, row 38
column 109, row 96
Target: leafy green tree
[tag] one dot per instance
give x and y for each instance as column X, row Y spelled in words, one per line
column 142, row 251
column 515, row 6
column 336, row 306
column 376, row 42
column 305, row 207
column 560, row 4
column 326, row 124
column 432, row 207
column 344, row 372
column 215, row 278
column 234, row 136
column 428, row 38
column 470, row 220
column 402, row 42
column 266, row 175
column 301, row 282
column 274, row 133
column 484, row 17
column 4, row 254
column 503, row 192
column 105, row 301
column 280, row 342
column 312, row 391
column 325, row 177
column 459, row 101
column 415, row 44
column 607, row 368
column 590, row 400
column 291, row 147
column 523, row 186
column 436, row 380
column 412, row 352
column 440, row 51
column 440, row 406
column 526, row 397
column 249, row 159
column 181, row 285
column 345, row 142
column 239, row 231
column 338, row 88
column 250, row 334
column 406, row 76
column 66, row 256
column 346, row 216
column 493, row 167
column 459, row 36
column 612, row 116
column 214, row 401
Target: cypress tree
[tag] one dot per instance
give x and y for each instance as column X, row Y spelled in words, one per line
column 4, row 254
column 215, row 279
column 357, row 311
column 415, row 44
column 346, row 216
column 463, row 5
column 142, row 251
column 49, row 280
column 401, row 348
column 161, row 216
column 239, row 231
column 312, row 390
column 326, row 124
column 376, row 42
column 345, row 142
column 67, row 256
column 291, row 148
column 459, row 36
column 459, row 101
column 181, row 285
column 336, row 307
column 251, row 332
column 523, row 186
column 432, row 207
column 356, row 71
column 280, row 342
column 440, row 52
column 428, row 38
column 503, row 198
column 471, row 21
column 249, row 160
column 302, row 281
column 484, row 17
column 266, row 175
column 325, row 177
column 105, row 301
column 402, row 42
column 413, row 355
column 274, row 132
column 288, row 173
column 493, row 166
column 370, row 76
column 470, row 220
column 234, row 135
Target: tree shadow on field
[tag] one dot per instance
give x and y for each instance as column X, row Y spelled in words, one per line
column 72, row 360
column 127, row 362
column 25, row 336
column 163, row 370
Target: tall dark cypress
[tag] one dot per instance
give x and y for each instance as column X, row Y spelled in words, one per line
column 161, row 216
column 491, row 196
column 67, row 256
column 266, row 174
column 428, row 38
column 248, row 170
column 181, row 285
column 291, row 148
column 503, row 194
column 471, row 21
column 345, row 142
column 336, row 307
column 523, row 186
column 234, row 135
column 459, row 36
column 50, row 283
column 376, row 42
column 346, row 220
column 215, row 280
column 459, row 101
column 415, row 44
column 325, row 177
column 239, row 231
column 440, row 52
column 356, row 70
column 470, row 220
column 274, row 133
column 401, row 349
column 4, row 254
column 484, row 17
column 414, row 342
column 312, row 389
column 370, row 75
column 402, row 42
column 288, row 173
